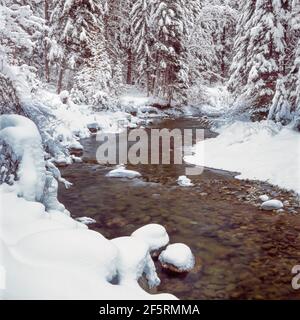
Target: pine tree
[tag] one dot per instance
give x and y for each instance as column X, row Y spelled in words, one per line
column 19, row 30
column 73, row 26
column 287, row 98
column 260, row 48
column 143, row 38
column 93, row 81
column 170, row 53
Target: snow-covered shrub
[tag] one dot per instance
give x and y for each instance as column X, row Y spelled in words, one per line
column 9, row 101
column 23, row 153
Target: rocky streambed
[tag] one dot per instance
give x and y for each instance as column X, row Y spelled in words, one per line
column 241, row 251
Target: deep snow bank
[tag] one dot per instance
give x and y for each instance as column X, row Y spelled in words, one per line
column 262, row 151
column 44, row 253
column 48, row 255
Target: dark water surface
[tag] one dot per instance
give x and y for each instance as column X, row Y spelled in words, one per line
column 241, row 251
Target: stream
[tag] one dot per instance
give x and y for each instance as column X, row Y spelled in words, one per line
column 241, row 252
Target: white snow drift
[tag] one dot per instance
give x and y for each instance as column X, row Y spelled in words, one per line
column 262, row 151
column 48, row 255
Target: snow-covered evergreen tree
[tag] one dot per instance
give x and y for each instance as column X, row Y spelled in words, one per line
column 286, row 101
column 93, row 81
column 143, row 39
column 170, row 53
column 260, row 49
column 73, row 26
column 19, row 29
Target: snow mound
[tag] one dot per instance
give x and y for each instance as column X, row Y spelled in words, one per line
column 24, row 139
column 121, row 172
column 262, row 151
column 183, row 181
column 178, row 255
column 154, row 235
column 272, row 205
column 48, row 255
column 133, row 260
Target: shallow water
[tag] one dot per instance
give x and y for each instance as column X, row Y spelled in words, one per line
column 241, row 251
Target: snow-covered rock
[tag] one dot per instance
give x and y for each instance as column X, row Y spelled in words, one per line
column 272, row 205
column 134, row 260
column 122, row 172
column 177, row 257
column 154, row 235
column 184, row 181
column 93, row 127
column 86, row 220
column 76, row 145
column 264, row 198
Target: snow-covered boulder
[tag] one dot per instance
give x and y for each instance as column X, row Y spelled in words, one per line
column 264, row 198
column 93, row 127
column 177, row 257
column 184, row 181
column 122, row 172
column 134, row 260
column 76, row 148
column 154, row 235
column 272, row 205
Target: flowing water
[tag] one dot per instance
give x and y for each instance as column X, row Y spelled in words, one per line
column 241, row 251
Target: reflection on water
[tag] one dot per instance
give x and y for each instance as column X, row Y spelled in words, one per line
column 241, row 252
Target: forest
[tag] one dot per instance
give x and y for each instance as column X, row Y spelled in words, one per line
column 172, row 50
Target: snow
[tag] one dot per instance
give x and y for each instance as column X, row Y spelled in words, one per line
column 183, row 181
column 134, row 98
column 178, row 255
column 121, row 172
column 272, row 205
column 262, row 151
column 154, row 235
column 86, row 220
column 264, row 198
column 133, row 263
column 23, row 137
column 45, row 254
column 48, row 255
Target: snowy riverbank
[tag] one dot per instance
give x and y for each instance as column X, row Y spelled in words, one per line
column 262, row 151
column 45, row 254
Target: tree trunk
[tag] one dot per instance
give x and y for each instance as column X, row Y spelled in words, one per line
column 223, row 66
column 60, row 77
column 47, row 70
column 129, row 66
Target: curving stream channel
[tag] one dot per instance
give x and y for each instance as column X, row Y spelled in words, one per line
column 241, row 251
